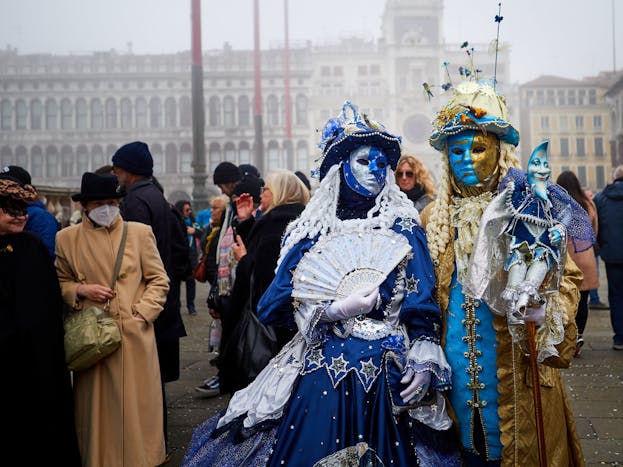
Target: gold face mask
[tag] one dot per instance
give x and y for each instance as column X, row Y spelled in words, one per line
column 474, row 158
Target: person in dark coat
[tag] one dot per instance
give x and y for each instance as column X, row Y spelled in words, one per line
column 609, row 204
column 38, row 413
column 40, row 222
column 194, row 232
column 144, row 202
column 282, row 200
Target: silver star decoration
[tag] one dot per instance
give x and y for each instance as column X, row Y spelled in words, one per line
column 315, row 357
column 406, row 224
column 338, row 365
column 369, row 369
column 412, row 283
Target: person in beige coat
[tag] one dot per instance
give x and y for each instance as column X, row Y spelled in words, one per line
column 118, row 401
column 585, row 260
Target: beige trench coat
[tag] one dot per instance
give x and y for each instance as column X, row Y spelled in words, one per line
column 118, row 401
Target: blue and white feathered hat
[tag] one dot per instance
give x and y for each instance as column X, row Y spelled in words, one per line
column 343, row 134
column 474, row 106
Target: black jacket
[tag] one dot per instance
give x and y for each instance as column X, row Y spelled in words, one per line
column 609, row 204
column 36, row 388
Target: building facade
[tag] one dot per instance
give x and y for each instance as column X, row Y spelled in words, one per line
column 63, row 115
column 614, row 98
column 574, row 116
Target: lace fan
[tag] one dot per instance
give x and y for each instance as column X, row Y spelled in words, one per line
column 341, row 263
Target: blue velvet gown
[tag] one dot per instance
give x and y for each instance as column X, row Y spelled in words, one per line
column 344, row 404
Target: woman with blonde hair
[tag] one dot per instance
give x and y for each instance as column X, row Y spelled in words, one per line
column 415, row 181
column 283, row 198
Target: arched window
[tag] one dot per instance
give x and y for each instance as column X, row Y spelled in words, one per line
column 97, row 157
column 126, row 113
column 51, row 162
column 6, row 156
column 51, row 114
column 186, row 158
column 244, row 111
column 36, row 159
column 111, row 113
column 6, row 116
column 81, row 114
column 21, row 157
column 141, row 113
column 301, row 110
column 36, row 114
column 244, row 153
column 171, row 159
column 273, row 155
column 97, row 114
column 82, row 159
column 21, row 115
column 230, row 152
column 156, row 154
column 302, row 156
column 185, row 112
column 215, row 111
column 170, row 113
column 272, row 111
column 67, row 161
column 155, row 113
column 66, row 115
column 214, row 156
column 229, row 117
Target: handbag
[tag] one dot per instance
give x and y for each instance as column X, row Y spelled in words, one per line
column 200, row 273
column 92, row 334
column 251, row 345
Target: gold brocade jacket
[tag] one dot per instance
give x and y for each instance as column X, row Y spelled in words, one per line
column 515, row 400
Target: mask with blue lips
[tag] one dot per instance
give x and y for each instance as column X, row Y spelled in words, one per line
column 365, row 170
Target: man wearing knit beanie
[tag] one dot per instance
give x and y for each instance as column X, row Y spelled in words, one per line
column 226, row 176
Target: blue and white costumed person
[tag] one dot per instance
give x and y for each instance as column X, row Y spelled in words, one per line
column 362, row 381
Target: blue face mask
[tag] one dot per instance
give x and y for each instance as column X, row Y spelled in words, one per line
column 365, row 170
column 539, row 171
column 460, row 156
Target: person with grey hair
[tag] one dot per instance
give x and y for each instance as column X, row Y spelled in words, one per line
column 609, row 204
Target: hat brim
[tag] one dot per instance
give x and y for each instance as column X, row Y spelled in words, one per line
column 503, row 130
column 96, row 196
column 339, row 149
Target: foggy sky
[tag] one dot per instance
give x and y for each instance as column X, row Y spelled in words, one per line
column 568, row 38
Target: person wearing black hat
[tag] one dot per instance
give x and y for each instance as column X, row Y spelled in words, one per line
column 145, row 203
column 36, row 386
column 40, row 221
column 123, row 389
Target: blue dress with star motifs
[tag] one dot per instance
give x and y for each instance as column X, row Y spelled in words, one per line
column 344, row 400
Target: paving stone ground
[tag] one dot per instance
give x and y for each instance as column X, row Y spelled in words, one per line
column 594, row 384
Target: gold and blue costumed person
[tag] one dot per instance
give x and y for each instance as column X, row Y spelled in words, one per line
column 363, row 380
column 491, row 399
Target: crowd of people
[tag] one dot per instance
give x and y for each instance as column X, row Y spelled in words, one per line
column 364, row 319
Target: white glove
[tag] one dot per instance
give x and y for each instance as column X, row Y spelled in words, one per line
column 359, row 302
column 418, row 385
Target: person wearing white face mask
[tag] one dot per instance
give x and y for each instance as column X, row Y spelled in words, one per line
column 118, row 401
